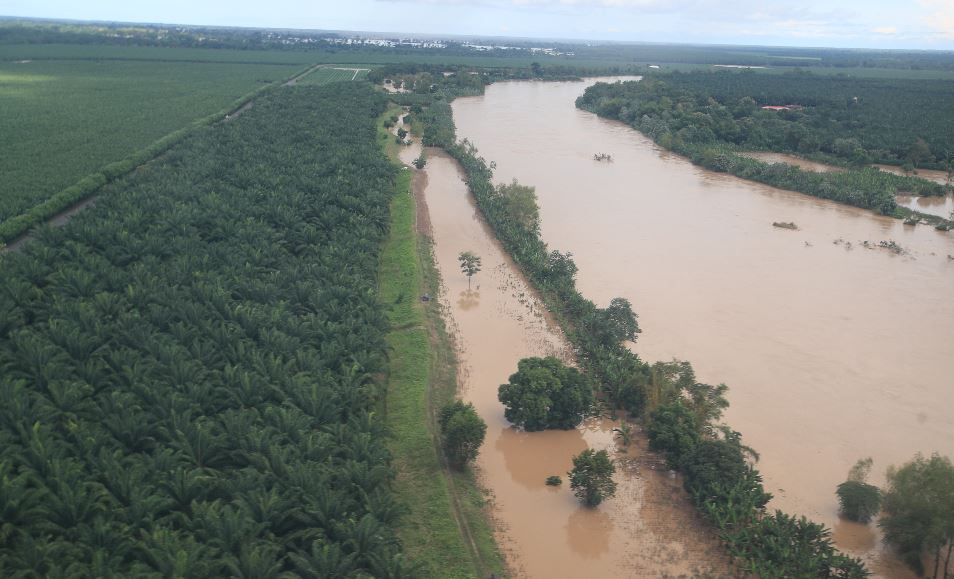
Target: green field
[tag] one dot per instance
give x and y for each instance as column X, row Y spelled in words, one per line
column 329, row 74
column 63, row 120
column 110, row 52
column 856, row 72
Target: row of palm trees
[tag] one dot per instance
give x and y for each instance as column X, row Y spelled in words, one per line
column 186, row 369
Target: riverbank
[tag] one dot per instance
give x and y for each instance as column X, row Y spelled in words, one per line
column 446, row 531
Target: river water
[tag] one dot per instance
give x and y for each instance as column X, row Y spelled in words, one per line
column 833, row 350
column 648, row 529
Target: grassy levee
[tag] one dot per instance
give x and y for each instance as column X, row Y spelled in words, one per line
column 21, row 224
column 446, row 531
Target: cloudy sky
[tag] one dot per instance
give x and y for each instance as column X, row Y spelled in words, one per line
column 845, row 23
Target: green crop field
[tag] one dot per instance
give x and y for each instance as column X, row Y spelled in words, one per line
column 62, row 120
column 109, row 52
column 328, row 75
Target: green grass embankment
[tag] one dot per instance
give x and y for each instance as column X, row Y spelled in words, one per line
column 446, row 531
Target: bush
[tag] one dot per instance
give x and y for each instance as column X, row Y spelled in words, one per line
column 672, row 430
column 592, row 477
column 859, row 501
column 462, row 432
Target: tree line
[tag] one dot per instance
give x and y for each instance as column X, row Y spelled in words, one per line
column 697, row 116
column 189, row 367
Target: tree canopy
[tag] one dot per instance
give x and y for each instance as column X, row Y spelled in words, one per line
column 592, row 477
column 462, row 432
column 546, row 393
column 858, row 500
column 918, row 514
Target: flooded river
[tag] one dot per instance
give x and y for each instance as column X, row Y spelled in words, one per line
column 648, row 529
column 832, row 350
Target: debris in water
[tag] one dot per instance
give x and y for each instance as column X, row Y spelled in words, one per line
column 891, row 246
column 785, row 225
column 602, row 157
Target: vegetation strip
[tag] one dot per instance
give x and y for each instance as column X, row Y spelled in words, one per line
column 680, row 413
column 18, row 225
column 188, row 367
column 446, row 532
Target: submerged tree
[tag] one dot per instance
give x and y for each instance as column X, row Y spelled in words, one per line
column 918, row 514
column 546, row 393
column 592, row 477
column 469, row 264
column 858, row 500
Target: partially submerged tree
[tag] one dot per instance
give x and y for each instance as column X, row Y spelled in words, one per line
column 918, row 514
column 469, row 264
column 592, row 477
column 672, row 430
column 858, row 500
column 614, row 324
column 624, row 434
column 462, row 432
column 520, row 202
column 546, row 393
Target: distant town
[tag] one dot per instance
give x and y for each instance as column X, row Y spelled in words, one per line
column 429, row 43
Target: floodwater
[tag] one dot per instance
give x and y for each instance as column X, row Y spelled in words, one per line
column 648, row 529
column 929, row 174
column 940, row 206
column 799, row 162
column 832, row 350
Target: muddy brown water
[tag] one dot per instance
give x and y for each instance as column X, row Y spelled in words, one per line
column 648, row 529
column 929, row 174
column 941, row 206
column 832, row 351
column 791, row 160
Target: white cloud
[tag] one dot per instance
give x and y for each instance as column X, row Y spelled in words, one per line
column 940, row 17
column 885, row 30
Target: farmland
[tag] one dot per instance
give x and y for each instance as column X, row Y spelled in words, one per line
column 63, row 120
column 188, row 366
column 327, row 75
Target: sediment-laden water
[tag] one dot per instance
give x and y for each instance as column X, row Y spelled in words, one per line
column 648, row 529
column 834, row 347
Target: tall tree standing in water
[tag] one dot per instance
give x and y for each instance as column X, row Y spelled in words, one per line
column 469, row 264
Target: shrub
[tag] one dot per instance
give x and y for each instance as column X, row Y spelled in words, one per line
column 462, row 432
